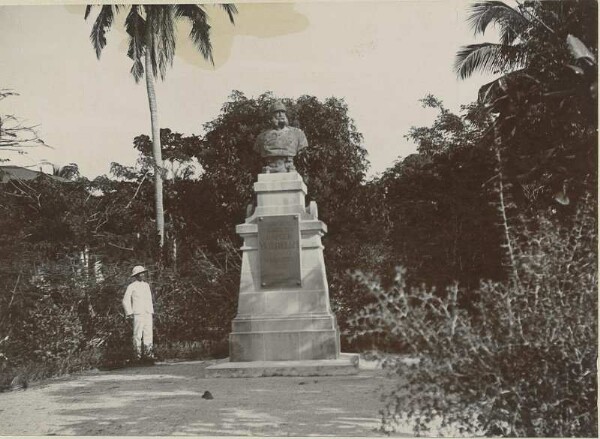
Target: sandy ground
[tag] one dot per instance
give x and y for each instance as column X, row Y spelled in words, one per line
column 165, row 399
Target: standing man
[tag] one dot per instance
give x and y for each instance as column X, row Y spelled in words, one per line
column 137, row 303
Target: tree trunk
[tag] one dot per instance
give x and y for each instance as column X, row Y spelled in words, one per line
column 510, row 253
column 156, row 149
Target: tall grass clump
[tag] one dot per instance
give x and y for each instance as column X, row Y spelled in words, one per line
column 518, row 360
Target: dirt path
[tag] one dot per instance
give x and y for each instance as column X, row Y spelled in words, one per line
column 166, row 400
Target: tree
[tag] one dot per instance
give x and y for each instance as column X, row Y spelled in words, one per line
column 494, row 57
column 442, row 227
column 545, row 103
column 70, row 171
column 14, row 135
column 151, row 30
column 333, row 168
column 521, row 360
column 522, row 365
column 176, row 153
column 532, row 35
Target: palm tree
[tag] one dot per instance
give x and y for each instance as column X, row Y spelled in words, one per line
column 493, row 57
column 151, row 30
column 533, row 35
column 536, row 56
column 69, row 172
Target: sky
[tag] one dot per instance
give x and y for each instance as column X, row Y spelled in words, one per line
column 380, row 56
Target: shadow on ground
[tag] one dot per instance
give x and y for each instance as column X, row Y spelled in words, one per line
column 167, row 400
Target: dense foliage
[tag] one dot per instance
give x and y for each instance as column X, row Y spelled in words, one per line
column 67, row 253
column 522, row 364
column 507, row 189
column 439, row 203
column 545, row 102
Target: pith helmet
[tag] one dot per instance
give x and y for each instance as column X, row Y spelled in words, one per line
column 277, row 106
column 137, row 270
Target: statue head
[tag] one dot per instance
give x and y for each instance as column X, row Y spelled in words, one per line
column 278, row 115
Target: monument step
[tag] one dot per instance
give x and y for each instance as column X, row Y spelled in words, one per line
column 285, row 318
column 346, row 364
column 289, row 323
column 290, row 331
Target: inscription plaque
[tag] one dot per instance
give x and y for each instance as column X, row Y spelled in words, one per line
column 279, row 251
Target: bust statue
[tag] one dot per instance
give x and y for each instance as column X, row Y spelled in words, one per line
column 279, row 145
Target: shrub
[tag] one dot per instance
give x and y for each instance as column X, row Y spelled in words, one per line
column 522, row 362
column 51, row 332
column 48, row 341
column 199, row 303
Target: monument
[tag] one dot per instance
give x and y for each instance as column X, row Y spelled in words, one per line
column 284, row 323
column 279, row 145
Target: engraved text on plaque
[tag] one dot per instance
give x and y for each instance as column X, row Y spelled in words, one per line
column 279, row 251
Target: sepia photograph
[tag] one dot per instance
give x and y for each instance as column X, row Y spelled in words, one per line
column 314, row 218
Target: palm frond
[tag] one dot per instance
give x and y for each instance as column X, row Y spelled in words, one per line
column 160, row 35
column 166, row 40
column 579, row 50
column 6, row 92
column 135, row 26
column 101, row 25
column 150, row 38
column 511, row 21
column 200, row 33
column 231, row 11
column 492, row 94
column 88, row 9
column 488, row 58
column 509, row 34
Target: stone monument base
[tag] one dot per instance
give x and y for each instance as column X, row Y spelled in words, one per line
column 345, row 364
column 283, row 306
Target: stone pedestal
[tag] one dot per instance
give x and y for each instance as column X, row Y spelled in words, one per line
column 283, row 308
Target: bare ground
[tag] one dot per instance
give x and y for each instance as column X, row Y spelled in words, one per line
column 166, row 399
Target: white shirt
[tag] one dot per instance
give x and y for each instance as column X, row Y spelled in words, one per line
column 138, row 299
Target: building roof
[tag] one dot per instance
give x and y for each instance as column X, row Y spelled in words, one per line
column 8, row 173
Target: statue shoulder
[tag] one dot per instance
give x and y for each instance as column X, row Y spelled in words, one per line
column 260, row 139
column 301, row 138
column 261, row 135
column 297, row 130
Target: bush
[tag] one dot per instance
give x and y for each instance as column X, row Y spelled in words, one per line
column 199, row 303
column 49, row 341
column 50, row 333
column 522, row 362
column 57, row 319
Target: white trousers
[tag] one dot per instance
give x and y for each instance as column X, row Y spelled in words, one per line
column 142, row 330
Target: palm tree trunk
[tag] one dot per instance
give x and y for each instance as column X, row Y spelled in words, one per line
column 156, row 149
